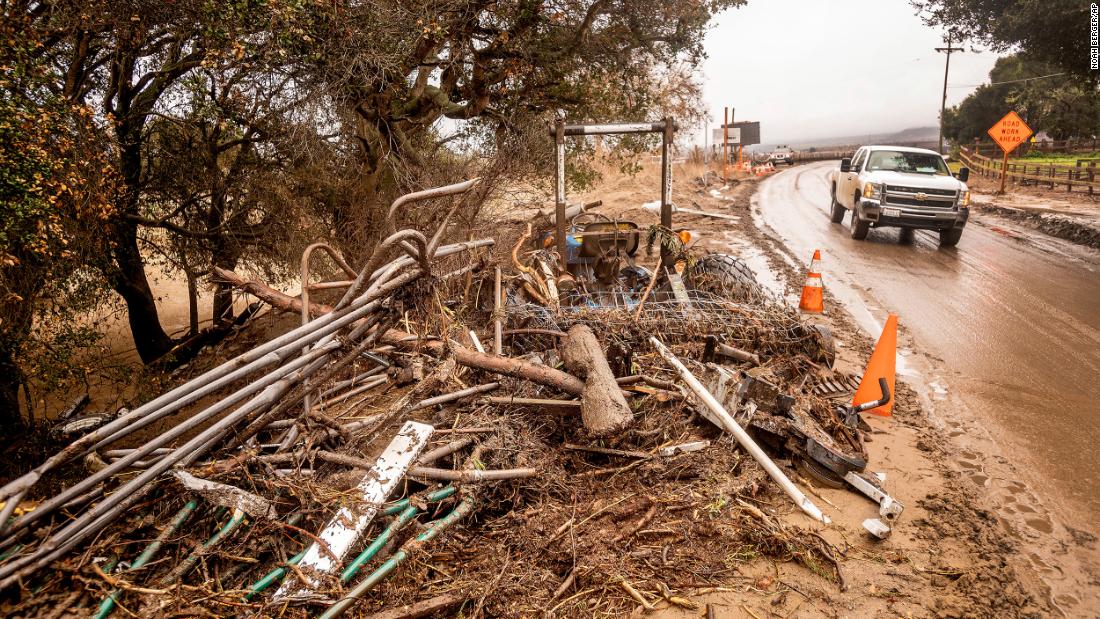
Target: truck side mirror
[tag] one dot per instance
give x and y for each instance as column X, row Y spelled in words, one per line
column 963, row 175
column 845, row 165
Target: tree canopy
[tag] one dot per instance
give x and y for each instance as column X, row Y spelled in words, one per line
column 201, row 133
column 1052, row 32
column 1062, row 105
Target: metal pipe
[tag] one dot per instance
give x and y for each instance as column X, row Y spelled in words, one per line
column 376, row 259
column 432, row 497
column 269, row 353
column 274, row 576
column 395, row 525
column 119, row 453
column 437, row 192
column 361, row 388
column 616, row 128
column 108, row 604
column 375, row 577
column 455, row 395
column 93, row 520
column 9, row 509
column 731, row 426
column 306, row 255
column 171, row 434
column 189, row 562
column 559, row 188
column 498, row 315
column 666, row 187
column 335, row 387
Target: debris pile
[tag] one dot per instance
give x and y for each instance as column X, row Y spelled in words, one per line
column 451, row 433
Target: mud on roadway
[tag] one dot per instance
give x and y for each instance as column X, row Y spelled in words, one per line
column 963, row 547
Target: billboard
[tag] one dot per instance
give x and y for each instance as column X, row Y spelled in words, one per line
column 716, row 136
column 749, row 132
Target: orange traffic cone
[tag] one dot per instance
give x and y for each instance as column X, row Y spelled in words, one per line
column 882, row 365
column 813, row 300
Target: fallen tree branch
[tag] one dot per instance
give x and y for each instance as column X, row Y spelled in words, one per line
column 471, row 475
column 422, row 608
column 506, row 366
column 604, row 410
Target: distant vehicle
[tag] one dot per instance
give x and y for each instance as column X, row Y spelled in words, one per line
column 900, row 187
column 781, row 154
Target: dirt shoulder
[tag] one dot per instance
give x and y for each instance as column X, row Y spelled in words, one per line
column 1074, row 216
column 949, row 556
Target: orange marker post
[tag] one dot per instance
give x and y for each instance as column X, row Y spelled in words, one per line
column 883, row 364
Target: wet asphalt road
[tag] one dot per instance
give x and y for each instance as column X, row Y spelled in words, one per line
column 1010, row 318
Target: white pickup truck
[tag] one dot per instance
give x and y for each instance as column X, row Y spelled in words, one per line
column 901, row 187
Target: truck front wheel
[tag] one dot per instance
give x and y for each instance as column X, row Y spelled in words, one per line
column 950, row 238
column 836, row 215
column 859, row 226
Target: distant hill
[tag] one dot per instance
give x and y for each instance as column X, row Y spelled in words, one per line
column 905, row 136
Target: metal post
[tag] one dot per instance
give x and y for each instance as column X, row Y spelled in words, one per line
column 729, row 424
column 498, row 333
column 725, row 141
column 559, row 188
column 666, row 185
column 1004, row 173
column 733, row 122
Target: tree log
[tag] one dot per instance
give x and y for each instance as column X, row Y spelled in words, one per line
column 604, row 410
column 516, row 368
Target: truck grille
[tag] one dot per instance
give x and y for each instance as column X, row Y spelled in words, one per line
column 908, row 196
column 931, row 192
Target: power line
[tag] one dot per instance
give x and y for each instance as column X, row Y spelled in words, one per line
column 1026, row 79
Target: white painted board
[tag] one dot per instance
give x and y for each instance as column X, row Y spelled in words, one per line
column 351, row 522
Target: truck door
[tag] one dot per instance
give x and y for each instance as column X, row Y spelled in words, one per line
column 849, row 181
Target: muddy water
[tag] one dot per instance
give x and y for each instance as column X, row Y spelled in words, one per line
column 1010, row 320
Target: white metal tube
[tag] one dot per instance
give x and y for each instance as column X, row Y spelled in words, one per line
column 731, row 426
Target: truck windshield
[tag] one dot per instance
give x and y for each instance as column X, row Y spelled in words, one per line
column 898, row 161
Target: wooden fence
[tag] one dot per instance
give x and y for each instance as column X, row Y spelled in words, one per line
column 1084, row 174
column 1080, row 145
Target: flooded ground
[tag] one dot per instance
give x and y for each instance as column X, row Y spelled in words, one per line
column 1002, row 334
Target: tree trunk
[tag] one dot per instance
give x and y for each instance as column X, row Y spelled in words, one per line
column 192, row 303
column 130, row 282
column 16, row 320
column 11, row 417
column 604, row 410
column 222, row 311
column 127, row 274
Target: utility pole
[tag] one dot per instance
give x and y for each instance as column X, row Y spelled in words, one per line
column 946, row 67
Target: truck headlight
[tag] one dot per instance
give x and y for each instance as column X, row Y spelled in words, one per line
column 872, row 191
column 964, row 198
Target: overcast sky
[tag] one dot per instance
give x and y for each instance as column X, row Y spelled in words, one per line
column 811, row 69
